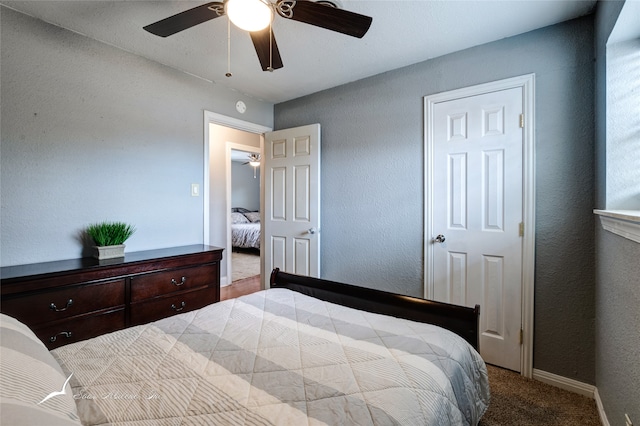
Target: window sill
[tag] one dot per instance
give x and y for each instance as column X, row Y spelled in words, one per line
column 625, row 223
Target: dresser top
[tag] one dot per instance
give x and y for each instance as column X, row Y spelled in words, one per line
column 88, row 263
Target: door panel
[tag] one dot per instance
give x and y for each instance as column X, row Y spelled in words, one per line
column 478, row 207
column 457, row 198
column 292, row 200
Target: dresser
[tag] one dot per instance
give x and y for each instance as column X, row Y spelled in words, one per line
column 71, row 300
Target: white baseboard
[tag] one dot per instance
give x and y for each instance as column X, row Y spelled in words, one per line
column 573, row 386
column 224, row 281
column 603, row 415
column 564, row 383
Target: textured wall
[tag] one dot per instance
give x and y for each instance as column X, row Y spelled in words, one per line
column 91, row 133
column 617, row 295
column 372, row 177
column 618, row 326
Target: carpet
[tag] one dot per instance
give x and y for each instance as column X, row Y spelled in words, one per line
column 516, row 400
column 244, row 264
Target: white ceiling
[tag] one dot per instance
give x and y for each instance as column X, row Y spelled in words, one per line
column 403, row 32
column 241, row 156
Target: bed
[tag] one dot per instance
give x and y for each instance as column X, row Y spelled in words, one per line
column 245, row 229
column 306, row 351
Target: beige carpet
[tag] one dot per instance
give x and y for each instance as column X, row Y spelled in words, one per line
column 244, row 264
column 516, row 400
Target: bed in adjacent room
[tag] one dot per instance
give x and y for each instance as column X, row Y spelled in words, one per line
column 245, row 229
column 306, row 351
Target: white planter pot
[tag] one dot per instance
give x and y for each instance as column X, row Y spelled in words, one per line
column 109, row 252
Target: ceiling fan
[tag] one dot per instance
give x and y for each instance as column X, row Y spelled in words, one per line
column 322, row 13
column 254, row 160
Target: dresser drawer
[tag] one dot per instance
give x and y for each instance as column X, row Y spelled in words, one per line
column 38, row 308
column 142, row 313
column 160, row 283
column 81, row 328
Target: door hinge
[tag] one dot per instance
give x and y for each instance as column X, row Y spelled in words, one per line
column 521, row 336
column 521, row 229
column 522, row 121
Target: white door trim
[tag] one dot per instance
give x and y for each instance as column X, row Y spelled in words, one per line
column 527, row 83
column 234, row 123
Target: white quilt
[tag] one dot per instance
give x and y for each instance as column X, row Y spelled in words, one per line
column 245, row 235
column 277, row 357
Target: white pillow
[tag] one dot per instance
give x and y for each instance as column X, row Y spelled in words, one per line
column 28, row 374
column 253, row 216
column 238, row 218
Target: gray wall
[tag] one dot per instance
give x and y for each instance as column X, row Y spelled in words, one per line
column 618, row 326
column 245, row 189
column 372, row 177
column 92, row 133
column 617, row 259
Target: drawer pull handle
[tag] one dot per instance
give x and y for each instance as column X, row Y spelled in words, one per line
column 54, row 308
column 175, row 308
column 176, row 283
column 66, row 334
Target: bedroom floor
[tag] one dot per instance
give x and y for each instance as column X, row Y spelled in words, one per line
column 516, row 400
column 245, row 263
column 240, row 288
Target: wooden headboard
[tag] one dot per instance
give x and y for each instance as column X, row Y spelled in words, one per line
column 459, row 319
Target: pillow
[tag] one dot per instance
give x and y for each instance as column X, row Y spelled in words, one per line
column 29, row 374
column 253, row 216
column 238, row 218
column 240, row 210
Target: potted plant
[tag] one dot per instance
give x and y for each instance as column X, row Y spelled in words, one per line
column 109, row 238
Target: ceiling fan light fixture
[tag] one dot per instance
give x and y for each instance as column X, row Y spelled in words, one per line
column 249, row 15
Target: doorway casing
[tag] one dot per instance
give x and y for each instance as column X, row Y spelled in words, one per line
column 234, row 123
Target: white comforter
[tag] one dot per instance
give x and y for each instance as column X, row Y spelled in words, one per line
column 277, row 357
column 245, row 235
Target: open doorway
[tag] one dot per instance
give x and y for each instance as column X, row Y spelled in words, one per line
column 222, row 134
column 245, row 223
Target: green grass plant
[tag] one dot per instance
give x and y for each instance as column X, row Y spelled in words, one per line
column 110, row 233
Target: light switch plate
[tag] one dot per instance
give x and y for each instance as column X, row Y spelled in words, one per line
column 195, row 190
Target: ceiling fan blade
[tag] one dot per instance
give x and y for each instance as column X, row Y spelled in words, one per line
column 331, row 18
column 269, row 56
column 183, row 20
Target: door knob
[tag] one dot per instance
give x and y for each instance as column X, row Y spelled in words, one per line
column 439, row 239
column 311, row 231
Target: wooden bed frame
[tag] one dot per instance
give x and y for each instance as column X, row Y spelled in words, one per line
column 459, row 319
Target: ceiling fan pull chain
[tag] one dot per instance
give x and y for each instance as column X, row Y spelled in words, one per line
column 218, row 8
column 270, row 67
column 228, row 74
column 285, row 8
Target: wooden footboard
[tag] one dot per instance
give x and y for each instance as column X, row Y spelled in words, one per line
column 459, row 319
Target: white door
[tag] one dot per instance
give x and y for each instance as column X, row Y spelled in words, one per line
column 477, row 211
column 291, row 229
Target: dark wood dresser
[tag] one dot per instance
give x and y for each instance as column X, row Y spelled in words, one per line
column 71, row 300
